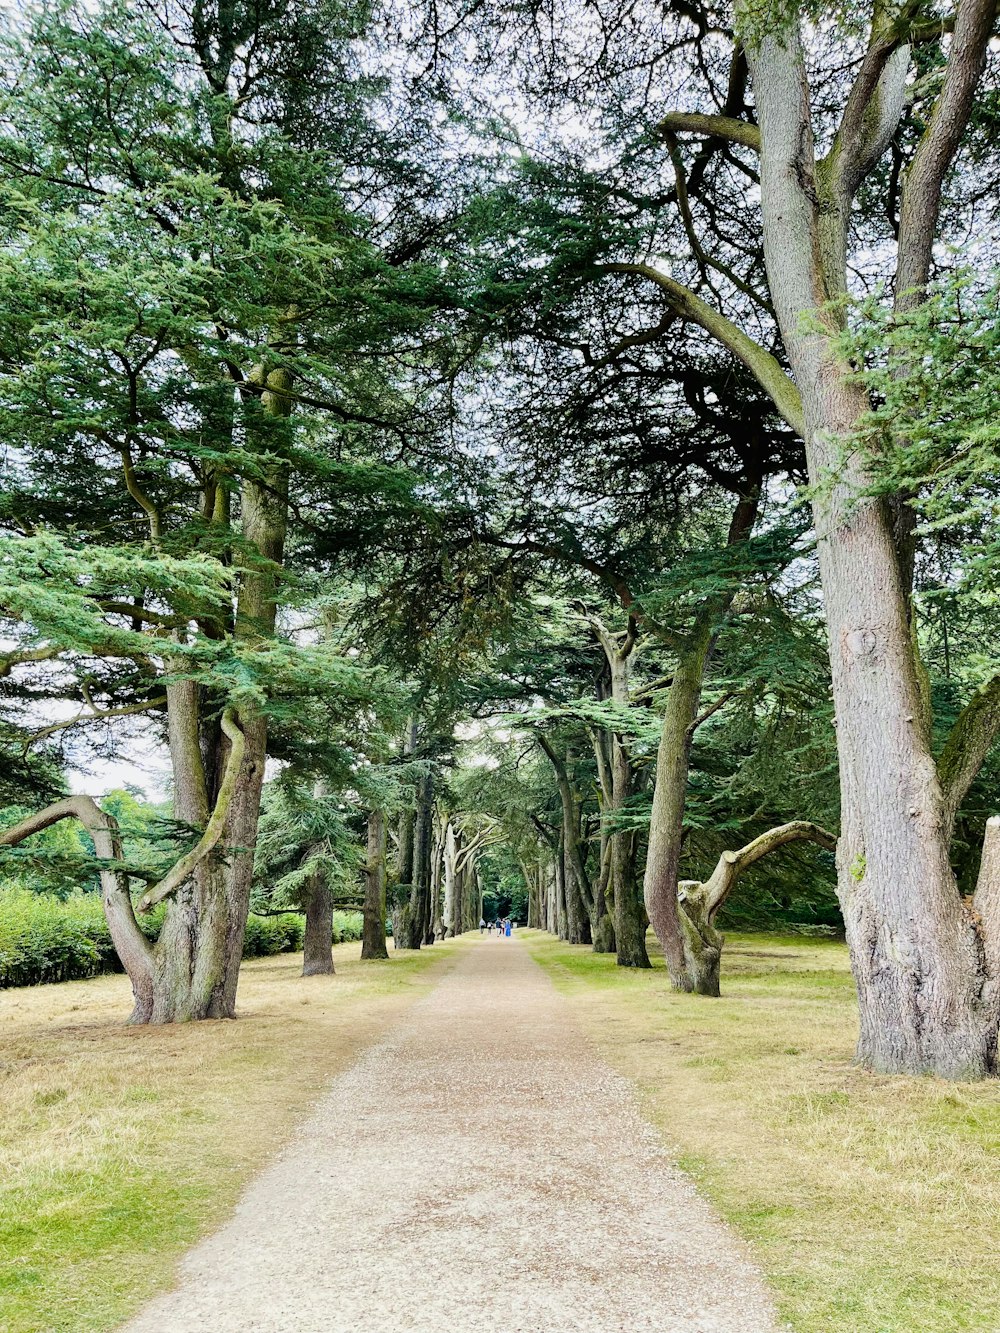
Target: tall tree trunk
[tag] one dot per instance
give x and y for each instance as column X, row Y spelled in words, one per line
column 630, row 913
column 317, row 946
column 404, row 879
column 438, row 930
column 680, row 716
column 666, row 825
column 562, row 922
column 578, row 897
column 418, row 911
column 373, row 928
column 929, row 1000
column 451, row 908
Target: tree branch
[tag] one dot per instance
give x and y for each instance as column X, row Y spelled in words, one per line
column 130, row 943
column 923, row 181
column 94, row 715
column 731, row 865
column 969, row 742
column 761, row 364
column 144, row 502
column 10, row 660
column 216, row 823
column 711, row 127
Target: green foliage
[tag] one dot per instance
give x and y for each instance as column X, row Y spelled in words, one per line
column 45, row 939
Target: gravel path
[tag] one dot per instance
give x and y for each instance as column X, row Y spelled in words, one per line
column 479, row 1169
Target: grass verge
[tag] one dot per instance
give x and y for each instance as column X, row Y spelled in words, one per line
column 872, row 1203
column 120, row 1147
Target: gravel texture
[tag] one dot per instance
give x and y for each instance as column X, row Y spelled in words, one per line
column 478, row 1169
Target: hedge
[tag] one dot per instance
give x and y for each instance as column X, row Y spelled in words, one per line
column 46, row 939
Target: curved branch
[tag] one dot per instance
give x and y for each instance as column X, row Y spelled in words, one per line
column 130, row 943
column 216, row 823
column 152, row 510
column 969, row 742
column 731, row 865
column 762, row 365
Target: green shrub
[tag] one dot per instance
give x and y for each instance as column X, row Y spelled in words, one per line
column 43, row 938
column 267, row 935
column 347, row 926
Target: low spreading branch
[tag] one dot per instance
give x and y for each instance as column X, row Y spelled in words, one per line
column 718, row 887
column 130, row 943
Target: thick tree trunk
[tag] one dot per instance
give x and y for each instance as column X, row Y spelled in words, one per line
column 928, row 997
column 562, row 923
column 373, row 928
column 666, row 826
column 630, row 910
column 418, row 912
column 317, row 946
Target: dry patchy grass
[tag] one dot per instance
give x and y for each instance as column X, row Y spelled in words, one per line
column 873, row 1204
column 119, row 1146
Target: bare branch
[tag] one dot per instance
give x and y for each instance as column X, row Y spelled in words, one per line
column 711, row 127
column 93, row 714
column 731, row 865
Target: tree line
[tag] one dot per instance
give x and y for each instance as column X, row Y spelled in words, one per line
column 528, row 443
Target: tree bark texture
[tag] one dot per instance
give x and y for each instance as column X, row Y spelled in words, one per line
column 927, row 989
column 317, row 945
column 373, row 927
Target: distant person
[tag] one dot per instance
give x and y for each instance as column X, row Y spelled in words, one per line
column 482, row 924
column 506, row 927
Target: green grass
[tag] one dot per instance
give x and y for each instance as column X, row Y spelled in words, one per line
column 120, row 1147
column 872, row 1203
